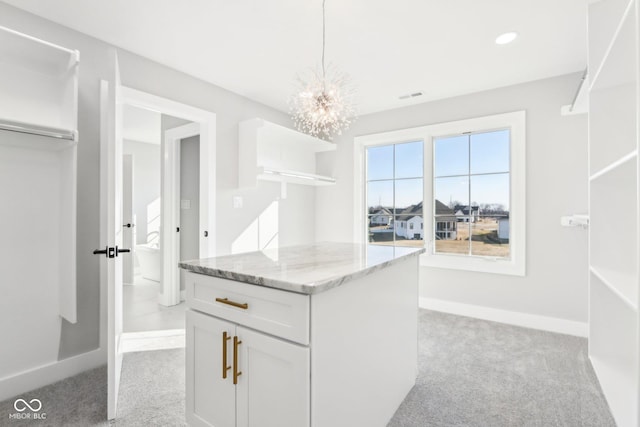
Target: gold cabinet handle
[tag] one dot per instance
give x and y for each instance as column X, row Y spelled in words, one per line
column 243, row 306
column 236, row 372
column 225, row 368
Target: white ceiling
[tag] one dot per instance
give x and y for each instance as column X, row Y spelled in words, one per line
column 256, row 48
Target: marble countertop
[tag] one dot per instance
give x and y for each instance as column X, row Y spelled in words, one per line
column 306, row 269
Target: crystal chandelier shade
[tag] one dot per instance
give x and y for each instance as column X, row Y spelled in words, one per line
column 323, row 105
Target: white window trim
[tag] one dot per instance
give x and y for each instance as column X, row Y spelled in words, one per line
column 515, row 121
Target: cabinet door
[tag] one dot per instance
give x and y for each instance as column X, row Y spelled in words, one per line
column 210, row 398
column 274, row 387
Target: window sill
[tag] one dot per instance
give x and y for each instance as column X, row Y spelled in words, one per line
column 470, row 263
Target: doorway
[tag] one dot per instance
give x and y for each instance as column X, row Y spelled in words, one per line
column 167, row 192
column 152, row 297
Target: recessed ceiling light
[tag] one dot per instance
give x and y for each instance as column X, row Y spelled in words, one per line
column 506, row 37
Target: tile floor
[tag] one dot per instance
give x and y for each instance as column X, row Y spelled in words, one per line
column 142, row 311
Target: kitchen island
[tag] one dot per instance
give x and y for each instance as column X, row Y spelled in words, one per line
column 321, row 335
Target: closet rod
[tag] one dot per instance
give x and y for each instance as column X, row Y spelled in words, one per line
column 69, row 135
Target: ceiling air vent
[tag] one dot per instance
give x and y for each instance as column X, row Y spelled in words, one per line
column 410, row 95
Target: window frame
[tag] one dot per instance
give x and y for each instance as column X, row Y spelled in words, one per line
column 516, row 123
column 394, row 180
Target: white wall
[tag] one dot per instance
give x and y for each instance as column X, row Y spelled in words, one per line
column 189, row 190
column 146, row 187
column 556, row 280
column 296, row 217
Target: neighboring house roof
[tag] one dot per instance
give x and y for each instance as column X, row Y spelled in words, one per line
column 442, row 209
column 444, row 213
column 411, row 211
column 465, row 209
column 381, row 210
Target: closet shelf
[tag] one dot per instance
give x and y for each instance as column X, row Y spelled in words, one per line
column 36, row 55
column 614, row 291
column 613, row 68
column 39, row 110
column 270, row 152
column 608, row 277
column 615, row 382
column 294, row 177
column 614, row 165
column 38, row 86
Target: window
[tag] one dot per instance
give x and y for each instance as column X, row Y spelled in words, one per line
column 395, row 188
column 471, row 190
column 474, row 192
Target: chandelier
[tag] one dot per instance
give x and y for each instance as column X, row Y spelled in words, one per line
column 322, row 106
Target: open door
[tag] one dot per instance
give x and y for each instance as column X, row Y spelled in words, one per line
column 128, row 223
column 170, row 211
column 111, row 224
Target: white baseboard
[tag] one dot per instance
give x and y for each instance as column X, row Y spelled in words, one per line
column 533, row 321
column 47, row 374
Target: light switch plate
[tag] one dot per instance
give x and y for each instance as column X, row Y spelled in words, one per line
column 185, row 204
column 237, row 202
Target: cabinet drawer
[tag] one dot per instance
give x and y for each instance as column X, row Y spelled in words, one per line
column 280, row 313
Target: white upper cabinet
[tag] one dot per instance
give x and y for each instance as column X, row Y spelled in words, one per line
column 271, row 152
column 38, row 86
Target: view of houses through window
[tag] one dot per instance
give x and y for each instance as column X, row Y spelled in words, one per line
column 471, row 192
column 395, row 191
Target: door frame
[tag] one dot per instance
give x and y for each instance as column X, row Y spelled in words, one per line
column 170, row 211
column 207, row 125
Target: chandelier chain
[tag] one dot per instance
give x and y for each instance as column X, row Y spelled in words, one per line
column 323, row 36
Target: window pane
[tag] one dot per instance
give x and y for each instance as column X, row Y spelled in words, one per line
column 451, row 227
column 380, row 162
column 446, row 235
column 490, row 215
column 409, row 160
column 380, row 230
column 409, row 194
column 452, row 191
column 380, row 196
column 389, row 195
column 409, row 230
column 490, row 152
column 451, row 156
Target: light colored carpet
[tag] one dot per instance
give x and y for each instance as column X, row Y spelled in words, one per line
column 152, row 389
column 74, row 402
column 471, row 373
column 479, row 373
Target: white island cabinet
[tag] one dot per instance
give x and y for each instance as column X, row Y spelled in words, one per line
column 321, row 335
